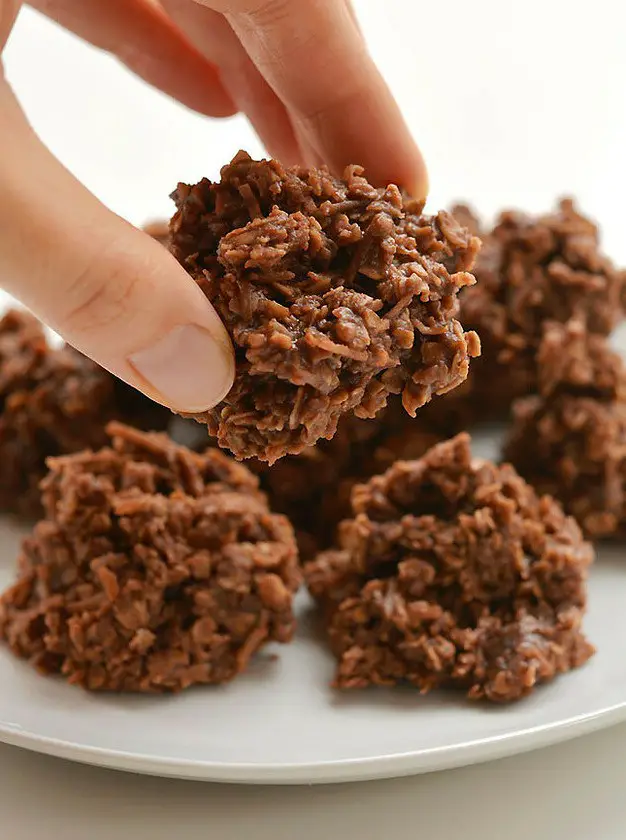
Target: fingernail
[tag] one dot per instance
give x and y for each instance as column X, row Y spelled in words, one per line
column 418, row 186
column 189, row 369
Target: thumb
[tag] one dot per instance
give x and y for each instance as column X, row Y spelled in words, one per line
column 108, row 289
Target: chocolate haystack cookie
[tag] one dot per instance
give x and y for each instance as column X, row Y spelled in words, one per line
column 530, row 270
column 453, row 572
column 155, row 568
column 53, row 401
column 570, row 440
column 335, row 294
column 313, row 488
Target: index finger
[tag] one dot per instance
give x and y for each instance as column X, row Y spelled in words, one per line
column 315, row 59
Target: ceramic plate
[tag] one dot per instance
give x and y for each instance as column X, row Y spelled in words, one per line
column 281, row 723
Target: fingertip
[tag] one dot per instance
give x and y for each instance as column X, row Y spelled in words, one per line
column 404, row 167
column 417, row 184
column 190, row 369
column 185, row 360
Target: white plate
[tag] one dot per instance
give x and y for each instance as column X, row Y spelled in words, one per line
column 280, row 723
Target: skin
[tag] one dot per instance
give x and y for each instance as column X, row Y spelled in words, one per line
column 301, row 73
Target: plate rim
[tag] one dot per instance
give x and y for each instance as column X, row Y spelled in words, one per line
column 367, row 768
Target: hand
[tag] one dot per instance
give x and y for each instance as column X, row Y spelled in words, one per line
column 300, row 71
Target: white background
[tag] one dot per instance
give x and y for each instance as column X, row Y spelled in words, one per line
column 513, row 104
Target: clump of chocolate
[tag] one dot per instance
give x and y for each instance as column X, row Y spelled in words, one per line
column 335, row 294
column 313, row 488
column 453, row 572
column 53, row 401
column 570, row 440
column 530, row 270
column 155, row 568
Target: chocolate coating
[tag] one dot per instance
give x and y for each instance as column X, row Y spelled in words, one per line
column 155, row 569
column 334, row 292
column 453, row 572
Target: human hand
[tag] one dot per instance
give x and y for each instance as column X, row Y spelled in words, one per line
column 301, row 73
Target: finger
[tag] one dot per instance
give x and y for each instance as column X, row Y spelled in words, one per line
column 315, row 60
column 212, row 35
column 8, row 12
column 146, row 40
column 108, row 289
column 352, row 14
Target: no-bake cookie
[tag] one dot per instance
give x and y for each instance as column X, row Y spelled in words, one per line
column 530, row 270
column 335, row 293
column 313, row 488
column 155, row 569
column 453, row 572
column 570, row 440
column 53, row 401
